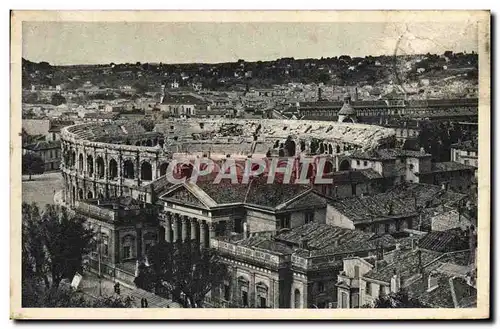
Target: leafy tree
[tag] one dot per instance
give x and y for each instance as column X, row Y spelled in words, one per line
column 32, row 164
column 400, row 299
column 54, row 242
column 147, row 124
column 183, row 270
column 57, row 99
column 37, row 295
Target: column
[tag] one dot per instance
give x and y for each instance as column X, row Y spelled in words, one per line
column 211, row 232
column 175, row 228
column 184, row 226
column 194, row 229
column 168, row 227
column 203, row 234
column 251, row 290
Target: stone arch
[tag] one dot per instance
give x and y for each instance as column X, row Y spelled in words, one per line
column 100, row 167
column 138, row 143
column 146, row 171
column 73, row 158
column 302, row 146
column 330, row 149
column 163, row 168
column 328, row 168
column 290, row 147
column 90, row 165
column 161, row 142
column 344, row 165
column 149, row 143
column 80, row 162
column 113, row 169
column 80, row 193
column 186, row 170
column 128, row 169
column 90, row 195
column 321, row 148
column 337, row 149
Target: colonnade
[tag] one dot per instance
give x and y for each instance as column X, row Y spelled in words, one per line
column 184, row 228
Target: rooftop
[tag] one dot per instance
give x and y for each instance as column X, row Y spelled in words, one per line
column 388, row 154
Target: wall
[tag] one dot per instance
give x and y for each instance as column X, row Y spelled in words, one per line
column 259, row 221
column 335, row 218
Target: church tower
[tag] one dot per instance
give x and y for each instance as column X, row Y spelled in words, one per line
column 347, row 112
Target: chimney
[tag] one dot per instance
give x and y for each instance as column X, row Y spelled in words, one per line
column 432, row 282
column 395, row 282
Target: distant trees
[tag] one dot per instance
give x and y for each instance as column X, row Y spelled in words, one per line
column 182, row 270
column 57, row 99
column 147, row 124
column 54, row 242
column 32, row 164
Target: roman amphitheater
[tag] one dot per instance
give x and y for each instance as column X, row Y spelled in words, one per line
column 102, row 160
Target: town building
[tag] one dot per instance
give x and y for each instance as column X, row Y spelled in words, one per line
column 50, row 152
column 293, row 268
column 125, row 230
column 397, row 210
column 465, row 153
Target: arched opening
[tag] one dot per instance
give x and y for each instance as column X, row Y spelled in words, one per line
column 128, row 169
column 163, row 169
column 101, row 196
column 90, row 195
column 146, row 171
column 344, row 165
column 314, row 146
column 302, row 146
column 138, row 143
column 321, row 148
column 80, row 194
column 113, row 169
column 330, row 149
column 338, row 149
column 290, row 147
column 149, row 143
column 73, row 194
column 80, row 162
column 73, row 158
column 310, row 170
column 328, row 167
column 186, row 170
column 348, row 119
column 296, row 299
column 100, row 167
column 281, row 152
column 161, row 142
column 276, row 144
column 90, row 165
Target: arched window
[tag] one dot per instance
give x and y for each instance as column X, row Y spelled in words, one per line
column 163, row 169
column 296, row 299
column 90, row 165
column 290, row 147
column 128, row 168
column 321, row 148
column 73, row 159
column 100, row 167
column 138, row 143
column 80, row 162
column 80, row 194
column 128, row 247
column 328, row 167
column 149, row 143
column 90, row 195
column 146, row 171
column 302, row 146
column 262, row 295
column 113, row 169
column 338, row 149
column 330, row 149
column 344, row 165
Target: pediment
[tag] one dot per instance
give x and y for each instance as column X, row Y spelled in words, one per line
column 182, row 195
column 308, row 199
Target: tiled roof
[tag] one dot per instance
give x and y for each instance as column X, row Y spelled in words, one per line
column 43, row 145
column 181, row 99
column 449, row 166
column 444, row 241
column 403, row 200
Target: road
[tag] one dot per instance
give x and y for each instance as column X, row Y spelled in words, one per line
column 41, row 188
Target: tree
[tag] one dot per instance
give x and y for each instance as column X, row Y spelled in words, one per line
column 57, row 99
column 400, row 299
column 36, row 295
column 54, row 243
column 184, row 270
column 147, row 124
column 32, row 164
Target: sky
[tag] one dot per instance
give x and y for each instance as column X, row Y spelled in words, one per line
column 70, row 43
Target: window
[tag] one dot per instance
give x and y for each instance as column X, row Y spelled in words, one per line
column 356, row 271
column 244, row 298
column 365, row 163
column 263, row 302
column 309, row 217
column 368, row 289
column 411, row 166
column 358, row 162
column 227, row 292
column 126, row 252
column 321, row 287
column 386, row 228
column 285, row 221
